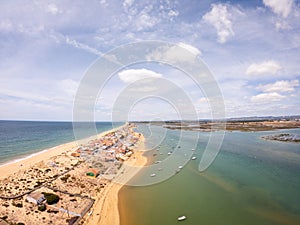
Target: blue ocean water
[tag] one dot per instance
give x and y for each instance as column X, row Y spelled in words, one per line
column 22, row 138
column 252, row 181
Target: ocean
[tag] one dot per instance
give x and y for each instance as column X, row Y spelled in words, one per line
column 252, row 181
column 19, row 139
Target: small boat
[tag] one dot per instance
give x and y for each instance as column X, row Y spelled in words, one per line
column 193, row 149
column 152, row 175
column 177, row 171
column 179, row 167
column 169, row 153
column 194, row 157
column 180, row 218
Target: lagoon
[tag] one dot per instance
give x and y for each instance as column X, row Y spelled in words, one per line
column 252, row 181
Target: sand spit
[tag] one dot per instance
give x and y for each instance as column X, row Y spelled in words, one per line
column 106, row 207
column 70, row 183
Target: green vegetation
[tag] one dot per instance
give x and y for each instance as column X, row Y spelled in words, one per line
column 51, row 198
column 42, row 208
column 18, row 204
column 65, row 178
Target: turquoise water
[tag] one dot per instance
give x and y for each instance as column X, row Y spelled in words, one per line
column 22, row 138
column 252, row 181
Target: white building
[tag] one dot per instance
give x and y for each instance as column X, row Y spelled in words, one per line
column 35, row 197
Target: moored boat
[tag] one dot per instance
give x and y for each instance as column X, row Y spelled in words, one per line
column 180, row 218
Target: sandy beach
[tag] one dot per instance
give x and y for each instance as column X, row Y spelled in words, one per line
column 26, row 162
column 23, row 164
column 105, row 210
column 103, row 190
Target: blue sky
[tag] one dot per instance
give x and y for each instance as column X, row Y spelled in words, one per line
column 251, row 47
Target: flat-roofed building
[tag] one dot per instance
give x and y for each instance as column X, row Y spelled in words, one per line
column 36, row 197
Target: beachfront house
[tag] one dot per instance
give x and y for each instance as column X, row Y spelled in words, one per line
column 75, row 154
column 36, row 198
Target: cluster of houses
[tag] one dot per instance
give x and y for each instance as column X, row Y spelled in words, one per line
column 116, row 145
column 112, row 147
column 69, row 175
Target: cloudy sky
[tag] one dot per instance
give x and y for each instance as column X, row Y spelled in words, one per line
column 252, row 48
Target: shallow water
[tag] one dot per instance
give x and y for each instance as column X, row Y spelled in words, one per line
column 252, row 181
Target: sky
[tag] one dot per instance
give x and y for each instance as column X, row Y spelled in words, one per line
column 250, row 47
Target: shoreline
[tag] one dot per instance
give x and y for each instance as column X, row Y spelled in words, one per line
column 239, row 125
column 32, row 159
column 104, row 195
column 26, row 161
column 106, row 207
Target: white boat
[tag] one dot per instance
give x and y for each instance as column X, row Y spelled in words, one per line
column 179, row 167
column 180, row 218
column 169, row 153
column 193, row 149
column 152, row 175
column 194, row 157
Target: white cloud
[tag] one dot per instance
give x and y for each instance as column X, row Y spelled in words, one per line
column 6, row 26
column 127, row 3
column 68, row 86
column 280, row 86
column 173, row 13
column 52, row 8
column 190, row 48
column 174, row 53
column 267, row 97
column 282, row 25
column 219, row 17
column 145, row 21
column 82, row 46
column 202, row 100
column 280, row 7
column 132, row 75
column 265, row 68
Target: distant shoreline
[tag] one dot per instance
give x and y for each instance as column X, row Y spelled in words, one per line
column 244, row 126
